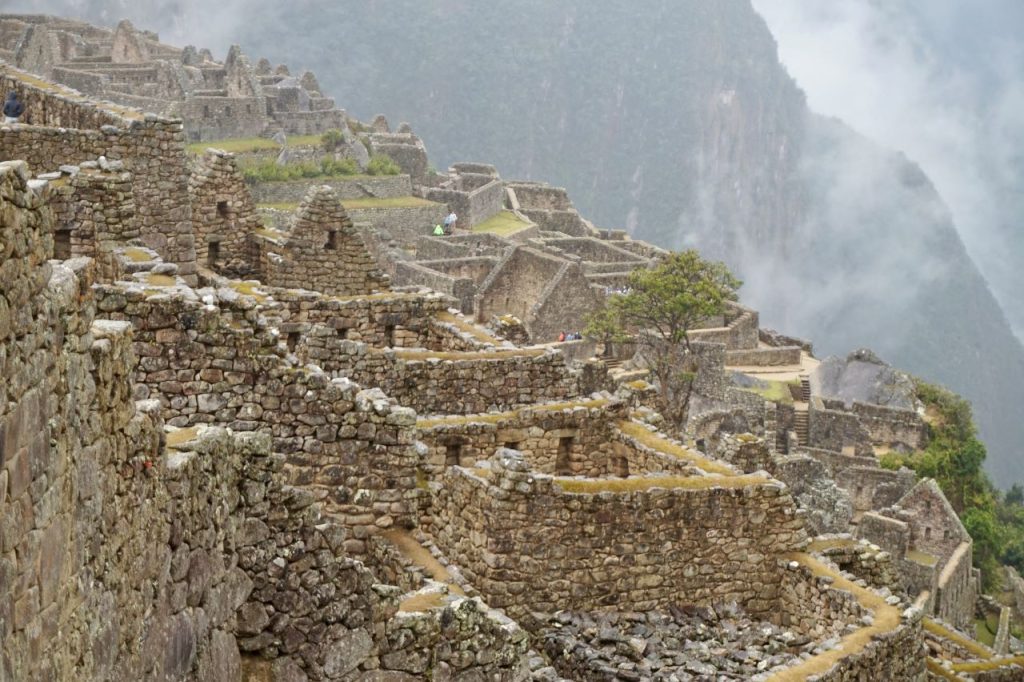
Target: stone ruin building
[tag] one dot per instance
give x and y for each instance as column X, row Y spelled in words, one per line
column 242, row 450
column 126, row 66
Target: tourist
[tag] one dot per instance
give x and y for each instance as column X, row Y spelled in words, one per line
column 561, row 337
column 438, row 230
column 449, row 222
column 13, row 108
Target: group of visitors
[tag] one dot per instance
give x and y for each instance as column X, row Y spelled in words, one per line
column 610, row 291
column 449, row 225
column 570, row 336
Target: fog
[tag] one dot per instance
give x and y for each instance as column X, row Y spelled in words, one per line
column 942, row 81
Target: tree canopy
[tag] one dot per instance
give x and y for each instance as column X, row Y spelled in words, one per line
column 659, row 309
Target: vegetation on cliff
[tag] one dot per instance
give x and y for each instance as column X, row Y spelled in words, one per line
column 955, row 458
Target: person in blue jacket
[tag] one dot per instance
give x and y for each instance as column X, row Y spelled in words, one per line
column 13, row 108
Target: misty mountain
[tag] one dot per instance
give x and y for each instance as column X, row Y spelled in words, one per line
column 676, row 119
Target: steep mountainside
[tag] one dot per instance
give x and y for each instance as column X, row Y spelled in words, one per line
column 675, row 118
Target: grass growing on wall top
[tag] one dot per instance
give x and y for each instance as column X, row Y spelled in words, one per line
column 992, row 664
column 886, row 619
column 387, row 202
column 661, row 444
column 940, row 630
column 775, row 391
column 593, row 486
column 502, row 224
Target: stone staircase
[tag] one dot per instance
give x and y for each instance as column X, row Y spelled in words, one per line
column 805, row 388
column 801, row 425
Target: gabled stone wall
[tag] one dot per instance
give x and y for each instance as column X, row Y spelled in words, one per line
column 323, row 251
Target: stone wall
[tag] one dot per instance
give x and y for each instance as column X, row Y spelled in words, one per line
column 323, row 251
column 549, row 294
column 363, row 187
column 474, row 203
column 403, row 224
column 221, row 368
column 223, row 214
column 763, row 357
column 872, row 488
column 570, row 439
column 457, row 277
column 67, row 129
column 837, row 430
column 530, row 546
column 892, row 426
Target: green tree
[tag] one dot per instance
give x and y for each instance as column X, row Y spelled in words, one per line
column 660, row 308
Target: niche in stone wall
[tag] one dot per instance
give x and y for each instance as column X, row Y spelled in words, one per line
column 389, row 335
column 62, row 244
column 453, row 454
column 563, row 460
column 222, row 210
column 332, row 240
column 293, row 340
column 212, row 254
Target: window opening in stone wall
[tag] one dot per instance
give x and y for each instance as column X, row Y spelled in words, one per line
column 927, row 533
column 212, row 253
column 293, row 340
column 332, row 240
column 562, row 461
column 928, row 505
column 860, row 490
column 222, row 210
column 206, row 111
column 452, row 454
column 227, row 111
column 511, row 445
column 62, row 244
column 389, row 335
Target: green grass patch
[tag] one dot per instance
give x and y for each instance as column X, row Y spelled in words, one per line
column 268, row 170
column 388, row 202
column 241, row 145
column 775, row 391
column 985, row 629
column 502, row 224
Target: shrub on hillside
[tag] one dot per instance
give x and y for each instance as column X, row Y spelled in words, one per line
column 381, row 164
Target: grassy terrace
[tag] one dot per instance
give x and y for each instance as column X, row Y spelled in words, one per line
column 775, row 391
column 593, row 486
column 886, row 619
column 478, row 333
column 367, row 203
column 502, row 224
column 241, row 145
column 498, row 417
column 940, row 630
column 656, row 442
